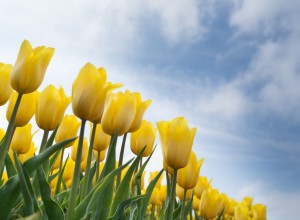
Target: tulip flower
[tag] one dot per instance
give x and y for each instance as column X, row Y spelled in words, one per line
column 101, row 140
column 2, row 133
column 247, row 201
column 241, row 212
column 4, row 177
column 50, row 107
column 152, row 175
column 22, row 139
column 29, row 154
column 188, row 176
column 202, row 185
column 144, row 136
column 85, row 149
column 30, row 67
column 163, row 193
column 180, row 193
column 101, row 155
column 211, row 204
column 67, row 129
column 89, row 92
column 119, row 113
column 229, row 205
column 5, row 87
column 154, row 199
column 196, row 204
column 176, row 140
column 26, row 109
column 56, row 164
column 69, row 169
column 141, row 107
column 259, row 212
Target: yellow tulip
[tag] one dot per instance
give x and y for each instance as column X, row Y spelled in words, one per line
column 177, row 141
column 154, row 199
column 196, row 204
column 26, row 109
column 180, row 193
column 2, row 133
column 163, row 193
column 259, row 212
column 141, row 107
column 202, row 184
column 188, row 176
column 29, row 154
column 57, row 161
column 85, row 149
column 101, row 140
column 229, row 205
column 211, row 203
column 50, row 107
column 241, row 212
column 144, row 136
column 89, row 92
column 30, row 67
column 152, row 175
column 67, row 129
column 102, row 155
column 247, row 201
column 22, row 139
column 69, row 170
column 4, row 177
column 5, row 87
column 119, row 113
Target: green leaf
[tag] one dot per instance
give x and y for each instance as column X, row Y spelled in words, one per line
column 119, row 214
column 220, row 215
column 177, row 211
column 53, row 210
column 59, row 179
column 148, row 195
column 32, row 164
column 188, row 206
column 9, row 166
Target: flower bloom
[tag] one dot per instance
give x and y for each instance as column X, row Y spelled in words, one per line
column 141, row 107
column 144, row 136
column 30, row 67
column 241, row 212
column 211, row 204
column 85, row 150
column 26, row 109
column 101, row 140
column 154, row 199
column 50, row 107
column 5, row 87
column 102, row 155
column 67, row 129
column 89, row 92
column 177, row 141
column 259, row 212
column 188, row 176
column 29, row 154
column 119, row 112
column 22, row 139
column 202, row 185
column 180, row 193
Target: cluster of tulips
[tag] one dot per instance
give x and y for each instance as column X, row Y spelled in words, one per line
column 44, row 183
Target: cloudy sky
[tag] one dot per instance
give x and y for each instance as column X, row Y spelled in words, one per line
column 230, row 67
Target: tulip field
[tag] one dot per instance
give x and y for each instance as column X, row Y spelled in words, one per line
column 43, row 181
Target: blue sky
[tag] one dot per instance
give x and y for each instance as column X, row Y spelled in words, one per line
column 230, row 67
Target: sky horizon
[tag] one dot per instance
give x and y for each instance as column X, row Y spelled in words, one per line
column 231, row 68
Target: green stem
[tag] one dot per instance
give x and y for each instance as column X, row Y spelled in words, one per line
column 61, row 159
column 173, row 195
column 121, row 158
column 76, row 176
column 88, row 164
column 98, row 165
column 183, row 204
column 153, row 212
column 9, row 134
column 44, row 141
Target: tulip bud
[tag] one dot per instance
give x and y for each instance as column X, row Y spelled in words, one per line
column 119, row 113
column 247, row 201
column 144, row 136
column 188, row 176
column 154, row 199
column 5, row 88
column 57, row 161
column 180, row 193
column 229, row 205
column 211, row 204
column 163, row 193
column 176, row 141
column 89, row 92
column 152, row 175
column 259, row 212
column 50, row 107
column 67, row 129
column 21, row 140
column 26, row 109
column 2, row 133
column 196, row 204
column 30, row 67
column 29, row 154
column 85, row 150
column 141, row 107
column 202, row 185
column 241, row 212
column 102, row 155
column 101, row 140
column 69, row 170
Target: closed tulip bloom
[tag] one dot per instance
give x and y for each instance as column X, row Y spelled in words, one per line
column 21, row 140
column 89, row 92
column 163, row 193
column 177, row 140
column 2, row 133
column 229, row 205
column 101, row 140
column 211, row 204
column 247, row 201
column 57, row 161
column 241, row 212
column 26, row 109
column 4, row 177
column 69, row 169
column 119, row 112
column 154, row 199
column 196, row 203
column 29, row 154
column 202, row 185
column 180, row 193
column 85, row 149
column 50, row 107
column 259, row 212
column 102, row 155
column 5, row 87
column 188, row 176
column 144, row 136
column 30, row 67
column 67, row 129
column 152, row 175
column 141, row 107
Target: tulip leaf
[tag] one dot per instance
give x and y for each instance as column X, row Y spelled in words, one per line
column 177, row 211
column 119, row 213
column 59, row 179
column 188, row 206
column 91, row 177
column 220, row 215
column 32, row 164
column 51, row 139
column 9, row 166
column 53, row 210
column 148, row 195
